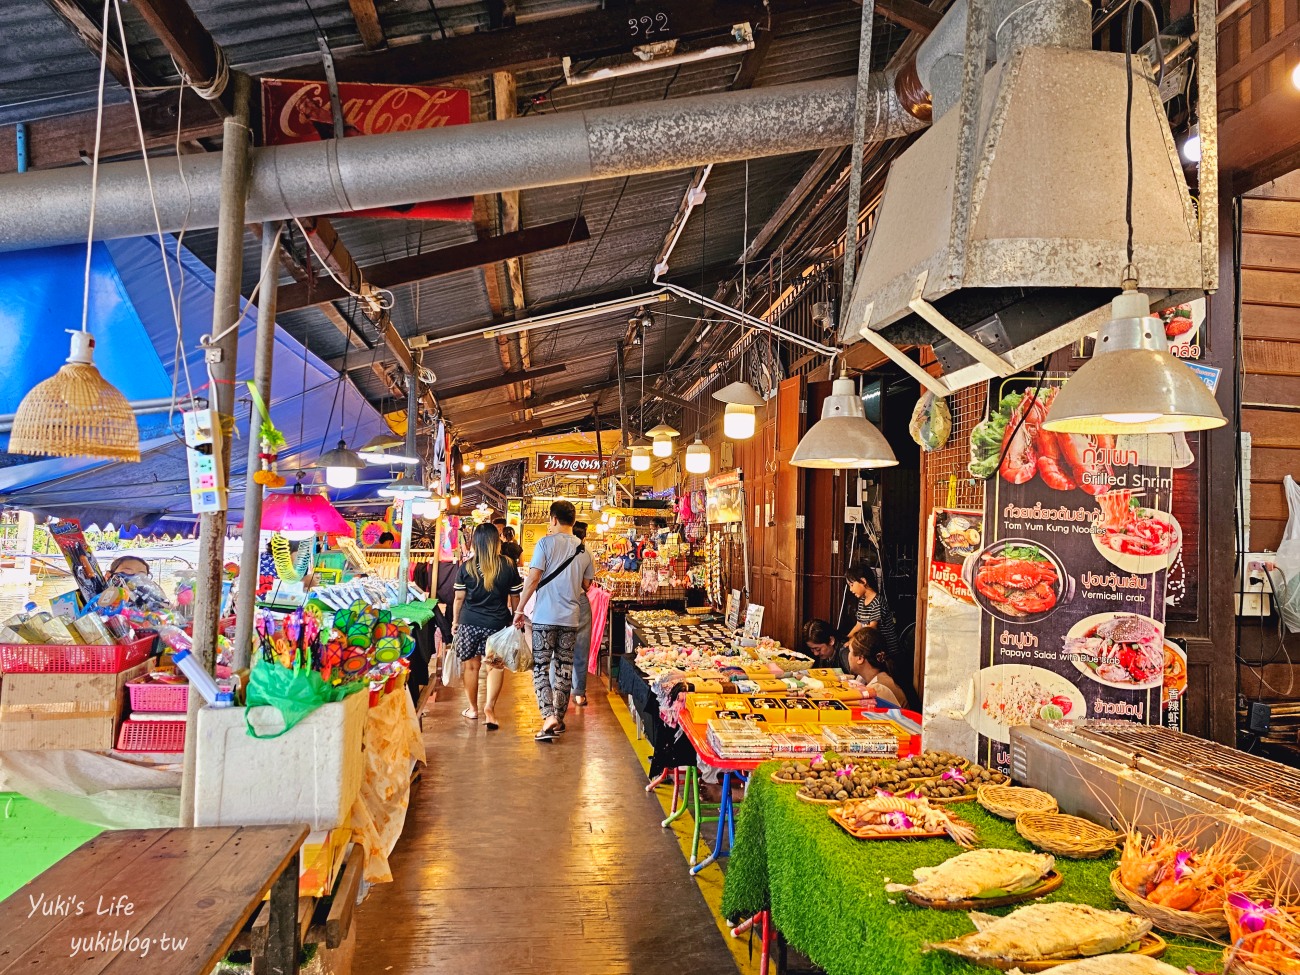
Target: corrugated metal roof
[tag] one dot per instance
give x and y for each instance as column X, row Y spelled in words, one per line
column 45, row 68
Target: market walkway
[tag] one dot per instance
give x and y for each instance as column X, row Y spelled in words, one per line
column 521, row 857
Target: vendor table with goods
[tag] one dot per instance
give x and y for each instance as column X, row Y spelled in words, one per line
column 829, row 893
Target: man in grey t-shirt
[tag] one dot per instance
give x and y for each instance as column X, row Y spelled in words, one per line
column 558, row 561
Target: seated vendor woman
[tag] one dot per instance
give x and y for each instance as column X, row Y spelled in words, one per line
column 869, row 663
column 825, row 644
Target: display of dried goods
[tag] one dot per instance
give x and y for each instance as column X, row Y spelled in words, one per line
column 979, row 873
column 892, row 817
column 1039, row 932
column 1130, row 964
column 929, row 775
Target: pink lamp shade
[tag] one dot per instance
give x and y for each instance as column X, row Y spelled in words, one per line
column 299, row 512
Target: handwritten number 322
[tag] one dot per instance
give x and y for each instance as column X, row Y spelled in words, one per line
column 648, row 26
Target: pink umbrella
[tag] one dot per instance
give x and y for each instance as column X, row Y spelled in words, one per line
column 599, row 600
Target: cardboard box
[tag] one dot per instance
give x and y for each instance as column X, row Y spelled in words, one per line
column 833, row 712
column 48, row 711
column 702, row 707
column 320, row 859
column 770, row 709
column 735, row 702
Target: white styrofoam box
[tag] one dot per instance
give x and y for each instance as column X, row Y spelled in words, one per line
column 310, row 774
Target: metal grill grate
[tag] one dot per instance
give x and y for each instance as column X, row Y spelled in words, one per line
column 1188, row 759
column 949, row 483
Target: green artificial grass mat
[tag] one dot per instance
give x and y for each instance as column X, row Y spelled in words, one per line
column 826, row 890
column 33, row 838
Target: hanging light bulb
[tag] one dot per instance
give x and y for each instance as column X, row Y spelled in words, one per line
column 591, row 487
column 698, row 457
column 406, row 488
column 1132, row 384
column 479, row 466
column 1191, row 148
column 465, row 468
column 341, row 466
column 843, row 438
column 738, row 419
column 640, row 458
column 454, row 501
column 602, row 528
column 662, row 439
column 1295, row 76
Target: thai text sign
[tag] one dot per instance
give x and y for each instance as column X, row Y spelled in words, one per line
column 569, row 464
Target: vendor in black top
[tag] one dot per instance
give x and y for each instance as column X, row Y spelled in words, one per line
column 827, row 645
column 510, row 548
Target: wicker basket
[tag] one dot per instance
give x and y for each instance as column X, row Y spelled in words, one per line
column 1197, row 924
column 1010, row 801
column 1067, row 836
column 1235, row 964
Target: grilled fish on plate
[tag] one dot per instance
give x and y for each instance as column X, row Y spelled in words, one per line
column 1045, row 931
column 978, row 873
column 1114, row 965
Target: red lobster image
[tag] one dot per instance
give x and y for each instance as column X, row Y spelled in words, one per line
column 1028, row 449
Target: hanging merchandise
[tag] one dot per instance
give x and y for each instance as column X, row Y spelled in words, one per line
column 271, row 440
column 290, row 566
column 931, row 422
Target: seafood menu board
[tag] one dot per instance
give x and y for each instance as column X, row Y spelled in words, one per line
column 1070, row 578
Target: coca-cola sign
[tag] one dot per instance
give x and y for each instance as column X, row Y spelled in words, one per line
column 300, row 111
column 568, row 464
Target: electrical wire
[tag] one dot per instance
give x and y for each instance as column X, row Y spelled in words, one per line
column 352, row 292
column 1128, row 113
column 94, row 172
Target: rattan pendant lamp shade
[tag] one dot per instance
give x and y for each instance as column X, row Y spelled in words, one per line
column 76, row 413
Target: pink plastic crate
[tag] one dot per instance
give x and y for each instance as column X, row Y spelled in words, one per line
column 152, row 695
column 23, row 658
column 151, row 736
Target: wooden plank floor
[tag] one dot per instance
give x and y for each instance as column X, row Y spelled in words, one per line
column 520, row 857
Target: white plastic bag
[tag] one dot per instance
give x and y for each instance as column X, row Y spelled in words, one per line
column 451, row 666
column 510, row 647
column 1288, row 559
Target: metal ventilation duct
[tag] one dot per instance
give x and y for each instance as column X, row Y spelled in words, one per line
column 1006, row 218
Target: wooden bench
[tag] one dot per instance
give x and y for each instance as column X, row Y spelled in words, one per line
column 165, row 901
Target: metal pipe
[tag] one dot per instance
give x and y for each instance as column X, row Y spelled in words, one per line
column 20, row 145
column 52, row 206
column 251, row 555
column 142, row 407
column 555, row 318
column 1207, row 109
column 745, row 318
column 695, row 195
column 236, row 140
column 855, row 157
column 408, row 504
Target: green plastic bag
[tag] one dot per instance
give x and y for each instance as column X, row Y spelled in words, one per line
column 295, row 693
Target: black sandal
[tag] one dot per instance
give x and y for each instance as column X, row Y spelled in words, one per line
column 546, row 734
column 558, row 729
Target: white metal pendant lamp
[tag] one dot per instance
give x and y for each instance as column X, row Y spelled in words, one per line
column 1132, row 384
column 843, row 438
column 738, row 419
column 341, row 466
column 380, row 449
column 698, row 458
column 662, row 439
column 640, row 459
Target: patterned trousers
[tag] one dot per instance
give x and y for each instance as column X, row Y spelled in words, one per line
column 553, row 644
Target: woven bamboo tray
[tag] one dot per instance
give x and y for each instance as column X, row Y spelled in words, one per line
column 1067, row 836
column 780, row 781
column 1010, row 801
column 1235, row 964
column 1152, row 945
column 817, row 802
column 1198, row 924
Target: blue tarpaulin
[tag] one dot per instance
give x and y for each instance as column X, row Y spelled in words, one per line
column 136, row 349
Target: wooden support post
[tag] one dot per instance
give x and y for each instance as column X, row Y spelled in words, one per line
column 222, row 362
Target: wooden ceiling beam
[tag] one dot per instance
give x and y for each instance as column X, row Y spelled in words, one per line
column 444, row 260
column 368, row 26
column 495, row 382
column 87, row 28
column 188, row 42
column 912, row 14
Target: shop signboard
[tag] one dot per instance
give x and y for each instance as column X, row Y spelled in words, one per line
column 724, row 498
column 1070, row 578
column 952, row 630
column 300, row 111
column 515, row 513
column 733, row 609
column 552, row 463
